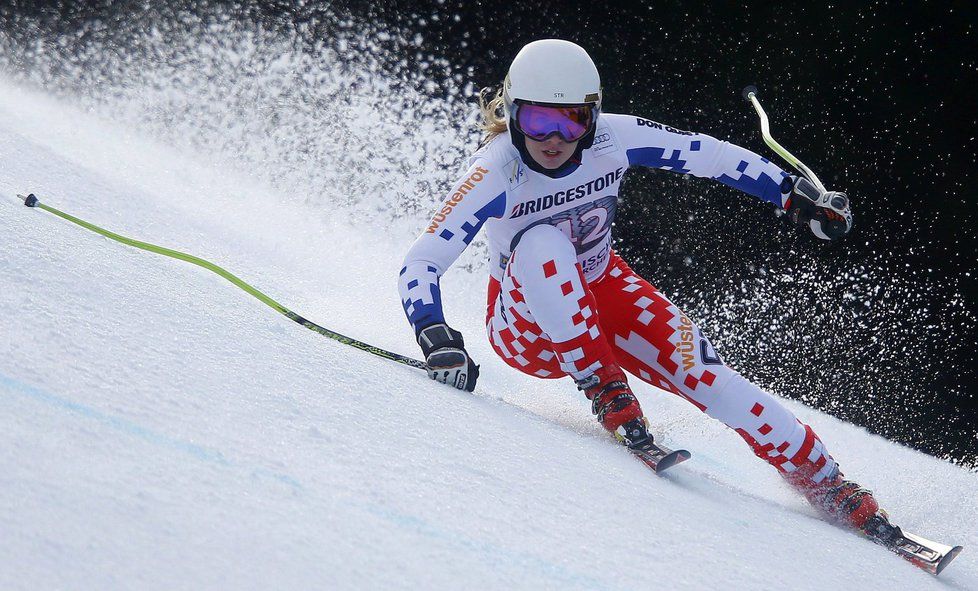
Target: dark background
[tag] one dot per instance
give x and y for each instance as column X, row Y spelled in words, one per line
column 878, row 99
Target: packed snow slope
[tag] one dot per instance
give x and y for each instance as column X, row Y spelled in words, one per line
column 159, row 429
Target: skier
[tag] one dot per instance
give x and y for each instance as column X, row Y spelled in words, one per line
column 561, row 302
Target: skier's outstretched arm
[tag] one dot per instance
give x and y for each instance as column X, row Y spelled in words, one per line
column 478, row 195
column 655, row 145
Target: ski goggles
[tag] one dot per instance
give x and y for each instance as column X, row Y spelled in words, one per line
column 538, row 122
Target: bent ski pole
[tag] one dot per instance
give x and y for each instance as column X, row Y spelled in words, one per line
column 750, row 94
column 32, row 201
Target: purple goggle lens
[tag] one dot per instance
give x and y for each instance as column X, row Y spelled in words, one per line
column 539, row 122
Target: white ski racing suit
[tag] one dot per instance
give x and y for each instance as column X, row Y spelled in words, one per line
column 561, row 302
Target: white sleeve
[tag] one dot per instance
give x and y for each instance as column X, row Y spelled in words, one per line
column 655, row 145
column 479, row 194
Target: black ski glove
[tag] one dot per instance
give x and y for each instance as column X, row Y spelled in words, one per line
column 448, row 363
column 826, row 213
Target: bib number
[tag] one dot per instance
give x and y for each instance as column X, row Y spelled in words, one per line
column 585, row 225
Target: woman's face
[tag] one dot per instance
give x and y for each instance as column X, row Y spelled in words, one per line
column 552, row 152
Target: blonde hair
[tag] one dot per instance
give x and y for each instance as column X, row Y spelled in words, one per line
column 493, row 110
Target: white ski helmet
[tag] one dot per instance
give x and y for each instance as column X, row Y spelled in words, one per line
column 552, row 71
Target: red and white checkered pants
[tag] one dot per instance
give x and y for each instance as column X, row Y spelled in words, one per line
column 545, row 320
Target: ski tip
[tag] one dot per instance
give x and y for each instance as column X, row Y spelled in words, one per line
column 676, row 457
column 946, row 560
column 747, row 91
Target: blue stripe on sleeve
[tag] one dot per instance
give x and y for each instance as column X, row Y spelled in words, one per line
column 763, row 187
column 419, row 283
column 494, row 209
column 422, row 306
column 655, row 158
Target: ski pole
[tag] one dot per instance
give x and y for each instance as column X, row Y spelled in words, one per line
column 750, row 94
column 32, row 201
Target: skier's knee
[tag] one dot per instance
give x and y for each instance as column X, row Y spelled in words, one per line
column 544, row 243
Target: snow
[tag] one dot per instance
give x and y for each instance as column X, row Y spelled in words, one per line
column 161, row 429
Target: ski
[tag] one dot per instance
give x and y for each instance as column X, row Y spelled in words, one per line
column 660, row 458
column 931, row 556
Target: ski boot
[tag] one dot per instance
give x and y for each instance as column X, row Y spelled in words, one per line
column 616, row 408
column 845, row 502
column 849, row 504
